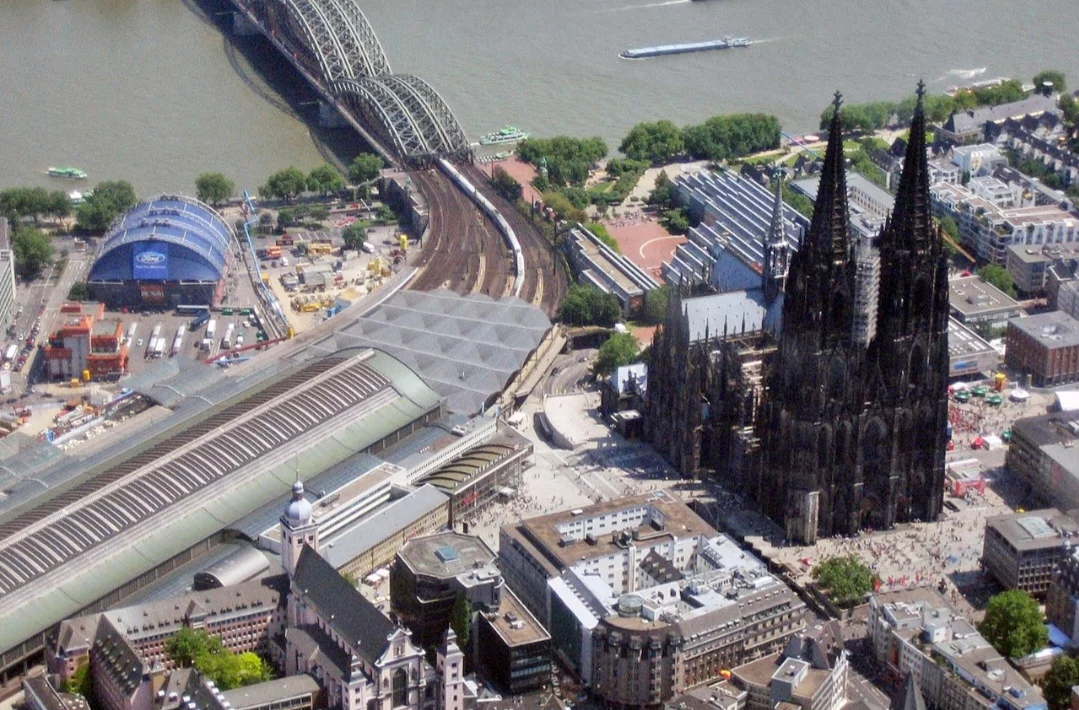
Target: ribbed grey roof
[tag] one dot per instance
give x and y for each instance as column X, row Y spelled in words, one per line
column 467, row 348
column 378, row 526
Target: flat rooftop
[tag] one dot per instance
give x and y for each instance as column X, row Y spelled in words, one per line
column 445, row 554
column 545, row 533
column 1034, row 530
column 971, row 296
column 1053, row 330
column 515, row 624
column 963, row 342
column 1035, row 254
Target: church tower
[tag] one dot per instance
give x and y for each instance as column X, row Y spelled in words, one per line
column 451, row 670
column 813, row 394
column 298, row 528
column 911, row 345
column 776, row 249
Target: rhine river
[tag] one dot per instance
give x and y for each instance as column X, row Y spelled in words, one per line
column 151, row 91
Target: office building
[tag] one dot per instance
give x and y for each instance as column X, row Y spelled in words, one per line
column 1045, row 347
column 1029, row 265
column 513, row 648
column 1042, row 454
column 7, row 278
column 916, row 632
column 1062, row 599
column 1022, row 550
column 975, row 301
column 643, row 598
column 430, row 572
column 808, row 675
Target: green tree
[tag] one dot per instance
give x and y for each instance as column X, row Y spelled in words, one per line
column 563, row 207
column 1059, row 681
column 949, row 227
column 733, row 136
column 355, row 234
column 844, row 578
column 1013, row 624
column 213, row 188
column 664, row 195
column 653, row 142
column 620, row 349
column 1069, row 108
column 604, row 236
column 461, row 620
column 187, row 644
column 80, row 291
column 676, row 220
column 33, row 249
column 655, row 304
column 108, row 201
column 325, row 179
column 1050, row 77
column 587, row 305
column 1000, row 277
column 59, row 205
column 80, row 681
column 505, row 185
column 285, row 184
column 568, row 160
column 364, row 168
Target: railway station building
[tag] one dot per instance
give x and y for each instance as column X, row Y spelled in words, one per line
column 165, row 252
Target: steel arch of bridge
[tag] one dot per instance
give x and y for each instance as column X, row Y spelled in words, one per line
column 418, row 120
column 340, row 37
column 354, row 67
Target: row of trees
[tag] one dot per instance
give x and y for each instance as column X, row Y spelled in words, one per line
column 718, row 138
column 18, row 203
column 290, row 183
column 206, row 653
column 567, row 160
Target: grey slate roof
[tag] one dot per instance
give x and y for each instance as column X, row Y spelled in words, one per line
column 368, row 532
column 271, row 691
column 467, row 348
column 975, row 119
column 349, row 613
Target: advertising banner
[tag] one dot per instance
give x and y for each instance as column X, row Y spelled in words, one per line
column 151, row 261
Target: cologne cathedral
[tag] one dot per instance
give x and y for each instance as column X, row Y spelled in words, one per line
column 827, row 432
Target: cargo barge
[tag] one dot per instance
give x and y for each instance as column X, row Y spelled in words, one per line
column 664, row 50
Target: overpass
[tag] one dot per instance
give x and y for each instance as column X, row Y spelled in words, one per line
column 335, row 48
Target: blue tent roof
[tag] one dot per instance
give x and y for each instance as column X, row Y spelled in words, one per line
column 191, row 239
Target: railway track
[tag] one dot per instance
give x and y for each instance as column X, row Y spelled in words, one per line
column 545, row 280
column 464, row 252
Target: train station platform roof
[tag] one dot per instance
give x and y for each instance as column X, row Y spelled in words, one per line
column 467, row 348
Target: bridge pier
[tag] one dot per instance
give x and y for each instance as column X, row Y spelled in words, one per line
column 329, row 116
column 243, row 27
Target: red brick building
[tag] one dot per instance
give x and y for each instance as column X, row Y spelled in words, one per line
column 1046, row 347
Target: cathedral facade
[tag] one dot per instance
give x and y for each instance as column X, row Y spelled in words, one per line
column 828, row 433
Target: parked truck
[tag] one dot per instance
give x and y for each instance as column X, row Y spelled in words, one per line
column 211, row 328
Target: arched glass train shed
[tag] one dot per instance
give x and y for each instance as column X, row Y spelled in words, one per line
column 167, row 251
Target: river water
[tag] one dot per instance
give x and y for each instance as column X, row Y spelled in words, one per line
column 150, row 91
